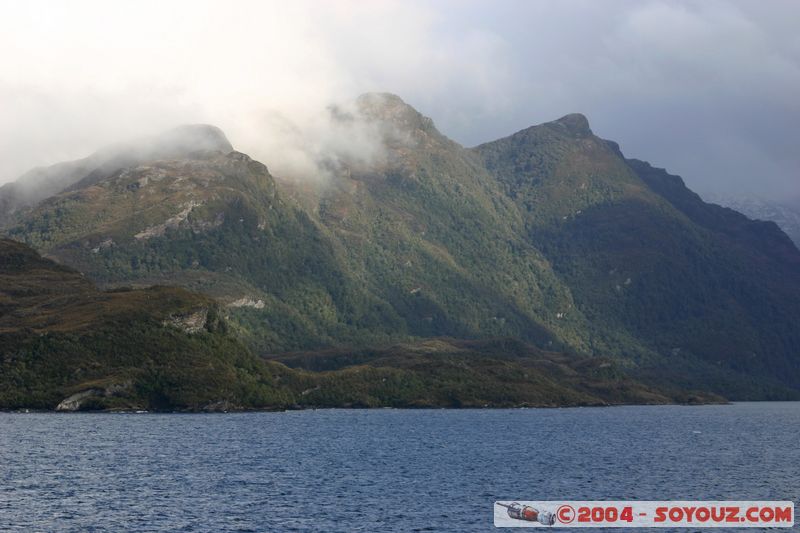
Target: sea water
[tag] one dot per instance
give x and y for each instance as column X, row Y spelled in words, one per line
column 379, row 470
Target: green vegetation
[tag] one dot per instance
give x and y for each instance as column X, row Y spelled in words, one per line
column 692, row 292
column 66, row 344
column 453, row 373
column 550, row 237
column 155, row 348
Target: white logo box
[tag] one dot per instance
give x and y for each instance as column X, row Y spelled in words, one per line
column 671, row 513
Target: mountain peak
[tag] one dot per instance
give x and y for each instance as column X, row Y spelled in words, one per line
column 383, row 104
column 192, row 137
column 390, row 108
column 174, row 143
column 575, row 124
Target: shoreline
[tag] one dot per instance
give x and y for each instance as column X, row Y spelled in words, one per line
column 361, row 408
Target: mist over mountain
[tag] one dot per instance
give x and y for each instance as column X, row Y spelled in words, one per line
column 40, row 183
column 550, row 237
column 724, row 119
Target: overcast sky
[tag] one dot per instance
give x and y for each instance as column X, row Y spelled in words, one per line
column 707, row 89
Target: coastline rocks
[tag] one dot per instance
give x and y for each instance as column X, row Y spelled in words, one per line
column 74, row 402
column 80, row 400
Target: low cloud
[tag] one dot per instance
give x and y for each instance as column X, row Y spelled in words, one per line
column 705, row 88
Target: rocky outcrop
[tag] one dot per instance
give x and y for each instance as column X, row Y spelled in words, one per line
column 171, row 223
column 244, row 301
column 79, row 400
column 74, row 402
column 193, row 322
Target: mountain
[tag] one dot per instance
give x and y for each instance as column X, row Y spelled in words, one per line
column 41, row 183
column 431, row 233
column 64, row 344
column 211, row 221
column 420, row 244
column 685, row 288
column 550, row 237
column 785, row 215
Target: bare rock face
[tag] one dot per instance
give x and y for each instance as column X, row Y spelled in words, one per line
column 191, row 323
column 74, row 402
column 78, row 400
column 245, row 301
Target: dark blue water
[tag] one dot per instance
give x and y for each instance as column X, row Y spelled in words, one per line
column 379, row 470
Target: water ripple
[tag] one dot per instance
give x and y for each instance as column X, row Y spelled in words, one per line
column 378, row 470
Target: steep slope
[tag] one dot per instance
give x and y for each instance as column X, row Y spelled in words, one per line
column 711, row 297
column 41, row 183
column 214, row 222
column 420, row 243
column 430, row 232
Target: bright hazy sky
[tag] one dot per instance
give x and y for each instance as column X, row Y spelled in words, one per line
column 707, row 89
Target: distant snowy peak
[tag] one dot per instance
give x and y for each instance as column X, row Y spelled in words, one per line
column 785, row 215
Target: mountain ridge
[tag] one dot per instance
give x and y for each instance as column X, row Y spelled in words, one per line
column 550, row 236
column 627, row 236
column 42, row 182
